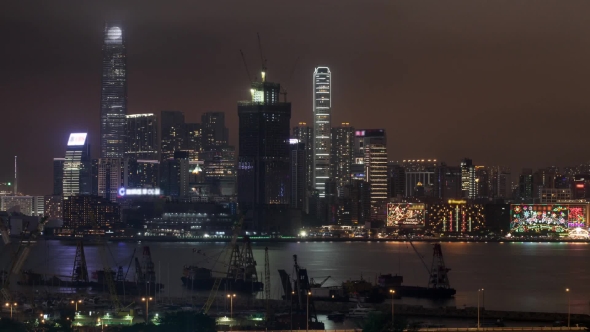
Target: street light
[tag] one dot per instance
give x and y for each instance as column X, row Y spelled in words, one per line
column 307, row 326
column 567, row 290
column 76, row 302
column 11, row 305
column 479, row 290
column 392, row 292
column 147, row 307
column 292, row 293
column 231, row 305
column 101, row 324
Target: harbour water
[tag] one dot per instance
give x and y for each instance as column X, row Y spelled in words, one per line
column 515, row 276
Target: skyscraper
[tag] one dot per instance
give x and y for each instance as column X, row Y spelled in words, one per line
column 468, row 185
column 304, row 134
column 264, row 163
column 113, row 100
column 341, row 155
column 298, row 178
column 141, row 139
column 322, row 114
column 77, row 166
column 58, row 176
column 215, row 134
column 110, row 171
column 172, row 133
column 370, row 149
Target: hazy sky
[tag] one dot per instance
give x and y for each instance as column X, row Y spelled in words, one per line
column 501, row 82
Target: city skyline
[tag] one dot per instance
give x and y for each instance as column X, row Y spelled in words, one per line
column 518, row 85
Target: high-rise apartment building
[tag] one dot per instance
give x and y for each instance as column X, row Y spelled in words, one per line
column 113, row 100
column 174, row 176
column 141, row 173
column 322, row 123
column 193, row 140
column 341, row 155
column 141, row 139
column 58, row 175
column 264, row 162
column 304, row 134
column 77, row 178
column 172, row 133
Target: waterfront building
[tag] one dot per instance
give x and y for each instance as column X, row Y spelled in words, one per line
column 525, row 185
column 419, row 174
column 304, row 134
column 468, row 185
column 456, row 216
column 87, row 211
column 174, row 175
column 341, row 155
column 359, row 194
column 322, row 115
column 396, row 179
column 53, row 207
column 500, row 182
column 77, row 178
column 370, row 149
column 220, row 170
column 113, row 100
column 141, row 139
column 553, row 195
column 172, row 133
column 141, row 173
column 110, row 177
column 58, row 175
column 20, row 204
column 264, row 162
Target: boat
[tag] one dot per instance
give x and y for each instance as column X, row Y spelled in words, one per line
column 200, row 278
column 241, row 275
column 361, row 312
column 438, row 283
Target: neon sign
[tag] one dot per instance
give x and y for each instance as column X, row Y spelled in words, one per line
column 139, row 192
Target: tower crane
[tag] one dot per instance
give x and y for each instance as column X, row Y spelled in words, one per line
column 262, row 59
column 246, row 66
column 225, row 259
column 283, row 89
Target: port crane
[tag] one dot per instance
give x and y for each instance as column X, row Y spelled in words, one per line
column 438, row 272
column 224, row 256
column 21, row 254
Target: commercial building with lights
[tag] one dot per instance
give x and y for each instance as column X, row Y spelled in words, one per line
column 370, row 150
column 468, row 183
column 304, row 134
column 87, row 211
column 113, row 100
column 322, row 123
column 141, row 140
column 77, row 178
column 58, row 175
column 110, row 177
column 172, row 133
column 341, row 155
column 264, row 161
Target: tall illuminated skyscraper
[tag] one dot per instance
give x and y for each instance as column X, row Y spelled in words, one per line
column 77, row 172
column 322, row 114
column 113, row 100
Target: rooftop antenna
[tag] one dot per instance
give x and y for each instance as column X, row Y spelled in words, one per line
column 262, row 59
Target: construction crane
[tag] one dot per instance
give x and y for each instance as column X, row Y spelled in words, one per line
column 21, row 255
column 262, row 59
column 283, row 89
column 224, row 256
column 313, row 284
column 246, row 66
column 80, row 272
column 108, row 272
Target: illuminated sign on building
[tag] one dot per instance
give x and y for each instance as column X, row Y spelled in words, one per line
column 405, row 214
column 77, row 139
column 139, row 192
column 558, row 218
column 293, row 141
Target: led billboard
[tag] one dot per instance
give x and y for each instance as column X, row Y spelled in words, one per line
column 557, row 218
column 77, row 139
column 405, row 214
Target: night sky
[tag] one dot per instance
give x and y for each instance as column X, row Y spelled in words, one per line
column 501, row 82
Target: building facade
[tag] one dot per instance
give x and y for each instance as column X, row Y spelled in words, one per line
column 172, row 133
column 58, row 175
column 322, row 123
column 77, row 178
column 298, row 175
column 110, row 177
column 370, row 151
column 113, row 101
column 88, row 211
column 141, row 139
column 341, row 155
column 264, row 162
column 304, row 134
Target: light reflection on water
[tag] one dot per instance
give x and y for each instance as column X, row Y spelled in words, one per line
column 515, row 276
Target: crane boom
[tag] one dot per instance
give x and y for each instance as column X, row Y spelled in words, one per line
column 262, row 59
column 246, row 66
column 421, row 258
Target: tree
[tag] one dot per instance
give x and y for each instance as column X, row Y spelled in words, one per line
column 378, row 322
